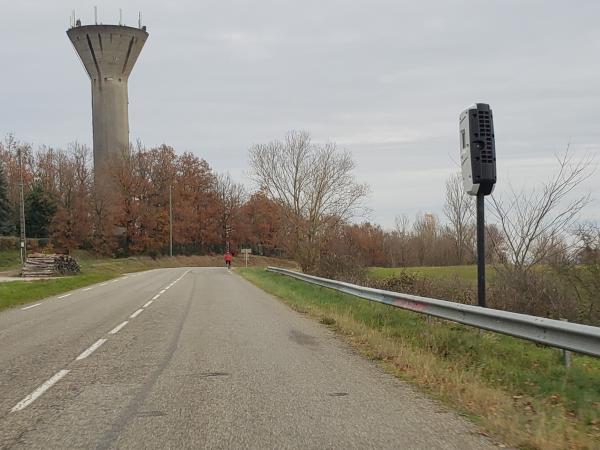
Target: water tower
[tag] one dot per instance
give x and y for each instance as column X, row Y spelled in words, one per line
column 108, row 53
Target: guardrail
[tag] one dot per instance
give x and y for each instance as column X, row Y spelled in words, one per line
column 569, row 336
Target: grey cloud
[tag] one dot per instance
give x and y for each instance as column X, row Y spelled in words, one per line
column 385, row 79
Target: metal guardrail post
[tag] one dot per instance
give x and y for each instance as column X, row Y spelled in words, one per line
column 555, row 333
column 566, row 354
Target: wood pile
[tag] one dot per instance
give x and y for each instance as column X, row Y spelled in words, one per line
column 40, row 265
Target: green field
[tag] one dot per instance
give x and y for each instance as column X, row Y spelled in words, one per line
column 465, row 273
column 515, row 389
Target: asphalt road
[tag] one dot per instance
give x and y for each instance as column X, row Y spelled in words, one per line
column 204, row 360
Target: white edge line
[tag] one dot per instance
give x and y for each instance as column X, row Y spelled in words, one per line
column 162, row 292
column 103, row 284
column 88, row 289
column 118, row 328
column 148, row 303
column 156, row 296
column 64, row 296
column 30, row 306
column 135, row 314
column 39, row 391
column 90, row 349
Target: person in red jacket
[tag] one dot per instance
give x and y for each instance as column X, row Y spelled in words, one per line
column 228, row 259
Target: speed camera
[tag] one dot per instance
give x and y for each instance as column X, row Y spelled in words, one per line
column 477, row 149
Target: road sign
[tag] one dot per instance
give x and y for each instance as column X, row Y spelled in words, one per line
column 246, row 252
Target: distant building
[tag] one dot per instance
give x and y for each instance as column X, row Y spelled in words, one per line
column 108, row 53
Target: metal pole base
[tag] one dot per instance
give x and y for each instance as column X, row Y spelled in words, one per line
column 481, row 250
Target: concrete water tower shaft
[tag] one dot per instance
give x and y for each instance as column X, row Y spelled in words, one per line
column 108, row 53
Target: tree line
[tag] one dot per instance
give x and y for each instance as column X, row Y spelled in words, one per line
column 210, row 210
column 306, row 204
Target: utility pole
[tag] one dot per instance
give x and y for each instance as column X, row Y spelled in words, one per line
column 170, row 220
column 23, row 249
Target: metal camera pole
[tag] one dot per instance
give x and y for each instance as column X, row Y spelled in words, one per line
column 478, row 165
column 481, row 250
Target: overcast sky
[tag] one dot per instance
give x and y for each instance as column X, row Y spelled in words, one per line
column 384, row 79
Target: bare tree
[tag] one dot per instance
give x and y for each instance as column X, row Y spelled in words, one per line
column 402, row 223
column 315, row 186
column 533, row 223
column 459, row 212
column 232, row 196
column 426, row 239
column 402, row 238
column 582, row 272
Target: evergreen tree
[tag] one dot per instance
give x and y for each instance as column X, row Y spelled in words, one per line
column 6, row 213
column 39, row 210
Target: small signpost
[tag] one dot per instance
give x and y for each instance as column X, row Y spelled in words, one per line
column 247, row 252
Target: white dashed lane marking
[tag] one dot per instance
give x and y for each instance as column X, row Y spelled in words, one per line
column 30, row 306
column 39, row 391
column 118, row 328
column 59, row 375
column 91, row 349
column 135, row 314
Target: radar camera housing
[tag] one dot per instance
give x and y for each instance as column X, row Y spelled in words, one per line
column 477, row 149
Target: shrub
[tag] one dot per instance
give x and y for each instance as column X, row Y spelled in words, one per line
column 9, row 243
column 539, row 293
column 454, row 289
column 535, row 292
column 340, row 267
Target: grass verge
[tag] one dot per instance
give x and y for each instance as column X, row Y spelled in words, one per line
column 9, row 259
column 514, row 389
column 16, row 293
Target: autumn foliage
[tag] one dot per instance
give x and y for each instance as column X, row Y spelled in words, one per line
column 129, row 214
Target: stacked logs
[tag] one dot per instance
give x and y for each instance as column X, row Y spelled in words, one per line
column 66, row 264
column 40, row 265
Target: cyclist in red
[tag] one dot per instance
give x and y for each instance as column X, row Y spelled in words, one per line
column 228, row 259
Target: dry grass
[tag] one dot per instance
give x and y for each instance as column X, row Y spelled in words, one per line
column 513, row 418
